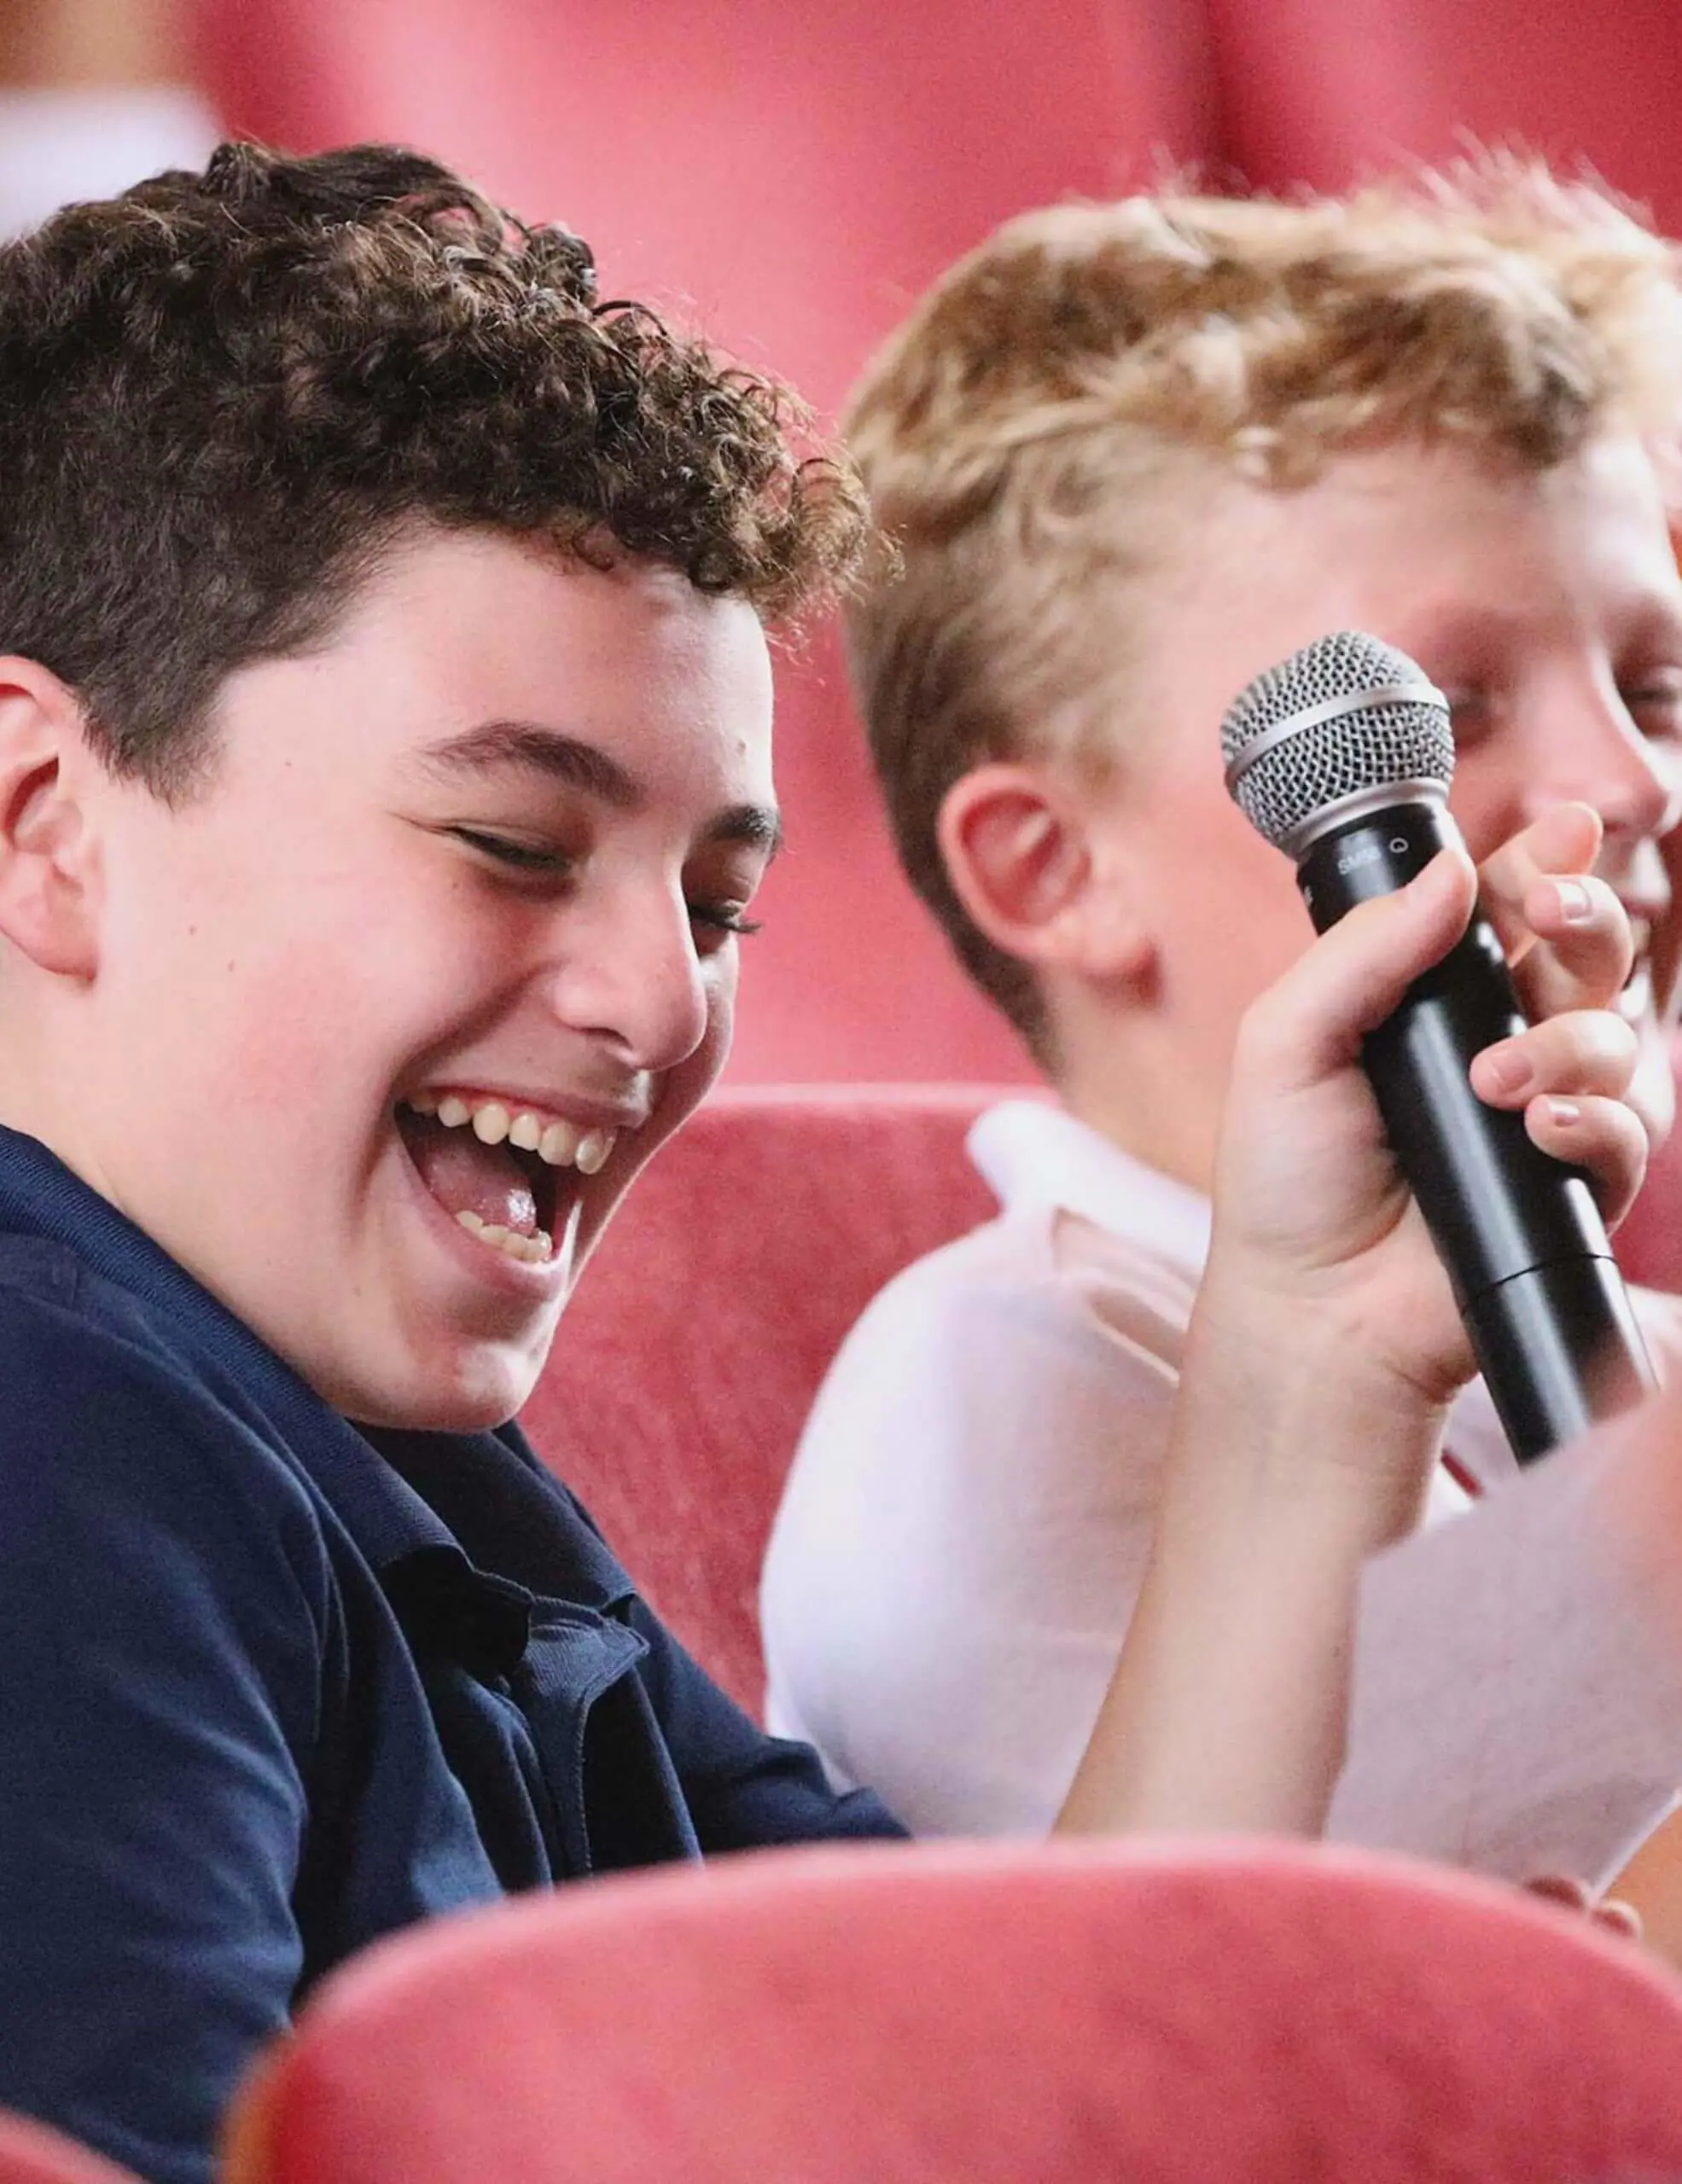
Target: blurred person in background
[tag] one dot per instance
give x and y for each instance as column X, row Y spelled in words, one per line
column 94, row 95
column 1133, row 455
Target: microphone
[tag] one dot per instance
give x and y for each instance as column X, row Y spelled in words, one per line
column 1341, row 757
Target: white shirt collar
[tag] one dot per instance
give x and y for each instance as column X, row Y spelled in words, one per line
column 1038, row 1158
column 1033, row 1155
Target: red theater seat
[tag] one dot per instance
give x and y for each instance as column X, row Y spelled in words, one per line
column 963, row 2015
column 689, row 1357
column 32, row 2154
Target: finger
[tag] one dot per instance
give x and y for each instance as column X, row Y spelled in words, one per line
column 1588, row 1050
column 1311, row 1021
column 1618, row 1918
column 1560, row 1888
column 1563, row 841
column 1604, row 1137
column 1588, row 946
column 1610, row 1912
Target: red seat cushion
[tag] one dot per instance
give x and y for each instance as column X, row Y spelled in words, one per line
column 1074, row 2014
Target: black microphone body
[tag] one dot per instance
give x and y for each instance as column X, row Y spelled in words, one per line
column 1341, row 757
column 1518, row 1232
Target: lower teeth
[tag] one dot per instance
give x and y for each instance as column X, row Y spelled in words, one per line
column 534, row 1250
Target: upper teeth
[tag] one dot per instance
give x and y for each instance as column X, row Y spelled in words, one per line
column 561, row 1144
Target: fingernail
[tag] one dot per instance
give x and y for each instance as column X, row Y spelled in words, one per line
column 1622, row 1918
column 1576, row 903
column 1565, row 1113
column 1507, row 1068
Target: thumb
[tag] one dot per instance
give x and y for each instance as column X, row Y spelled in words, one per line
column 1311, row 1021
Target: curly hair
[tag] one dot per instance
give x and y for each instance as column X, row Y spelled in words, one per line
column 223, row 395
column 1025, row 434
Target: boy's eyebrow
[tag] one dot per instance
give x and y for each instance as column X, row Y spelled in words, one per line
column 502, row 743
column 755, row 826
column 496, row 744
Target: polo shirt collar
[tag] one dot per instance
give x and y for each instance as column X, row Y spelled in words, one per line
column 40, row 1197
column 1036, row 1157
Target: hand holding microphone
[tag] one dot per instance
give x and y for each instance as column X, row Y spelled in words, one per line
column 1342, row 757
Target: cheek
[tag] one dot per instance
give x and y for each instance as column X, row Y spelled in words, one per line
column 341, row 1009
column 237, row 1022
column 1250, row 957
column 291, row 1054
column 1487, row 800
column 1233, row 916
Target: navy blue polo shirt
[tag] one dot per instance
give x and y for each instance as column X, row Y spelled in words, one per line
column 273, row 1687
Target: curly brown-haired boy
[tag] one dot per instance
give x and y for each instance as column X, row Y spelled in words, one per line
column 384, row 782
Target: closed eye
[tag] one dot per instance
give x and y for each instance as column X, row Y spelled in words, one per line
column 543, row 861
column 1655, row 702
column 1471, row 715
column 518, row 857
column 723, row 917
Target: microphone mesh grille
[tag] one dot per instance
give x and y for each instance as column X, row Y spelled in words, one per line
column 1320, row 765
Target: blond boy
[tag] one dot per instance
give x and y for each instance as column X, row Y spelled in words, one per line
column 1133, row 455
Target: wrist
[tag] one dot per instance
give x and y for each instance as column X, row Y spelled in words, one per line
column 1297, row 1404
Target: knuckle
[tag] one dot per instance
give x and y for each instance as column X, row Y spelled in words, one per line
column 1263, row 1036
column 1589, row 1043
column 1616, row 1049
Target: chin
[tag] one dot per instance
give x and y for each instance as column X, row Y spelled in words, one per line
column 474, row 1403
column 483, row 1391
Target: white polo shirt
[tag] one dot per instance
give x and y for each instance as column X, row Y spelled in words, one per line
column 967, row 1520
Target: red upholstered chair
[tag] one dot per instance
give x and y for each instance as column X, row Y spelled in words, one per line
column 32, row 2154
column 984, row 2015
column 689, row 1359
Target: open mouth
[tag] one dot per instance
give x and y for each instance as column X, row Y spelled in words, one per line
column 508, row 1178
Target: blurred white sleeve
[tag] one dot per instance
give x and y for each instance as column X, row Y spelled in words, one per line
column 1518, row 1675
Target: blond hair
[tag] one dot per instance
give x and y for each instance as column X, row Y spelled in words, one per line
column 1017, row 433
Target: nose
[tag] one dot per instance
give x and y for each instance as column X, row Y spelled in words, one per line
column 1592, row 751
column 632, row 979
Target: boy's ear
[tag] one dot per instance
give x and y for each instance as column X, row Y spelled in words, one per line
column 1037, row 877
column 48, row 867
